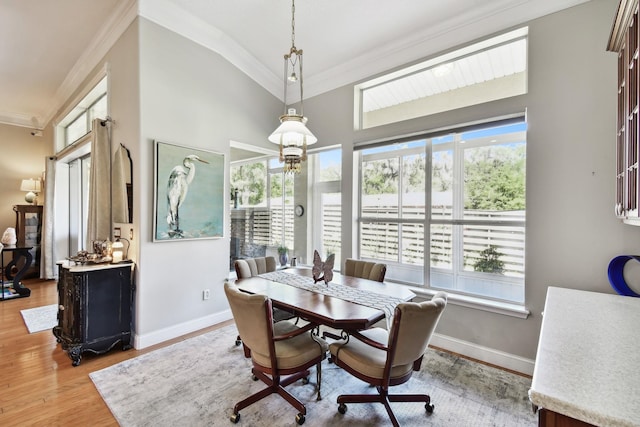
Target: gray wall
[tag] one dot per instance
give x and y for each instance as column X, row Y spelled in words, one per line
column 572, row 233
column 193, row 97
column 167, row 88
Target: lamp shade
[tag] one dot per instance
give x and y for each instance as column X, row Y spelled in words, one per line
column 30, row 185
column 117, row 251
column 292, row 131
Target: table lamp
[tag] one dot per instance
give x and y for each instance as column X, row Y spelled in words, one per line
column 118, row 252
column 32, row 187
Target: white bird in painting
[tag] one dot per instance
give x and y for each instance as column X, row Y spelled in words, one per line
column 177, row 188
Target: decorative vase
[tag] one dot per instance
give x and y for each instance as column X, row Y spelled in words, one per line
column 283, row 259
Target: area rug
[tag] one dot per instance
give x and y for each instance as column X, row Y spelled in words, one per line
column 40, row 318
column 197, row 382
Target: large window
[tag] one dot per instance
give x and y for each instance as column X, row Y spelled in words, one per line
column 262, row 208
column 73, row 138
column 78, row 184
column 447, row 211
column 326, row 231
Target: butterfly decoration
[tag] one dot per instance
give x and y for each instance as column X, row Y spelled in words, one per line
column 322, row 270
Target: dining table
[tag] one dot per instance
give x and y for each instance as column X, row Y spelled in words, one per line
column 346, row 302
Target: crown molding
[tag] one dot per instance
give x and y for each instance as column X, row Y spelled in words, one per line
column 479, row 22
column 168, row 15
column 476, row 24
column 118, row 22
column 22, row 120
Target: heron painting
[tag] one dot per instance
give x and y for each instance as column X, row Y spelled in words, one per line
column 177, row 187
column 189, row 199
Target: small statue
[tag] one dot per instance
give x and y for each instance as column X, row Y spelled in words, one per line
column 322, row 270
column 9, row 236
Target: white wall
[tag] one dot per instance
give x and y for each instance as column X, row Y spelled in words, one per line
column 572, row 233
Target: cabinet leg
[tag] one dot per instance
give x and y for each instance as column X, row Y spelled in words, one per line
column 75, row 353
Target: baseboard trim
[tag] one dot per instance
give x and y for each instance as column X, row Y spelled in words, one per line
column 175, row 331
column 484, row 354
column 465, row 348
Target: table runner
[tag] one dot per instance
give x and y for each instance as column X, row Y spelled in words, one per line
column 382, row 302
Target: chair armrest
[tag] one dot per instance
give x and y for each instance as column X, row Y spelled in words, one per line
column 368, row 341
column 295, row 332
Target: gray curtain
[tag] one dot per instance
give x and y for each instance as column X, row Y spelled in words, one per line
column 48, row 258
column 100, row 220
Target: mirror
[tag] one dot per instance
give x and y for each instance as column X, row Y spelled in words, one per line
column 122, row 181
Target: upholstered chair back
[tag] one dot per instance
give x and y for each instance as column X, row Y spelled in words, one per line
column 250, row 267
column 417, row 322
column 365, row 269
column 250, row 314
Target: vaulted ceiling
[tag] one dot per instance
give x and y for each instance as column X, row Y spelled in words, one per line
column 49, row 47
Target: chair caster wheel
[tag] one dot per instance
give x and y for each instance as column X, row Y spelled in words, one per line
column 300, row 419
column 235, row 418
column 342, row 408
column 253, row 377
column 238, row 342
column 429, row 407
column 305, row 380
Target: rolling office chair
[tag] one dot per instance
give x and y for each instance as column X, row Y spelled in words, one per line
column 250, row 267
column 388, row 358
column 281, row 353
column 365, row 269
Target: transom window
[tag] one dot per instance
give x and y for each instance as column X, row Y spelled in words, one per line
column 77, row 122
column 485, row 71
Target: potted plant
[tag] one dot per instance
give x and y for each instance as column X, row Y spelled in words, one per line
column 283, row 251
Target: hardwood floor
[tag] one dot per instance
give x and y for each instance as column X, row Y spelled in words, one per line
column 38, row 384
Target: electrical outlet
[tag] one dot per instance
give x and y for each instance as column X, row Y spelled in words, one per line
column 131, row 234
column 206, row 294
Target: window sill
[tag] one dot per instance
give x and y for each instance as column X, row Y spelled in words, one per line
column 508, row 309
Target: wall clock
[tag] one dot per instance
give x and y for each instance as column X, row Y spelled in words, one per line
column 299, row 210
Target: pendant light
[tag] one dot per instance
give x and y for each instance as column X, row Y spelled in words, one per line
column 292, row 135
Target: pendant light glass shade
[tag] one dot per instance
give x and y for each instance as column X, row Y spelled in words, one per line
column 292, row 131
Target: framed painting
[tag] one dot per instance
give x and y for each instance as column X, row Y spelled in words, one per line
column 188, row 193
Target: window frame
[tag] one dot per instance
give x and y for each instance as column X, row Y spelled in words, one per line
column 72, row 190
column 428, row 221
column 410, row 107
column 96, row 90
column 271, row 170
column 316, row 189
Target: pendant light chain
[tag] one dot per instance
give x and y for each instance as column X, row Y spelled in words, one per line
column 296, row 53
column 293, row 25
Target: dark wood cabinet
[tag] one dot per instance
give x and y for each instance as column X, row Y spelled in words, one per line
column 28, row 233
column 553, row 419
column 624, row 40
column 94, row 311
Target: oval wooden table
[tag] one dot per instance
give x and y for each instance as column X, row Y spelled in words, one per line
column 323, row 309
